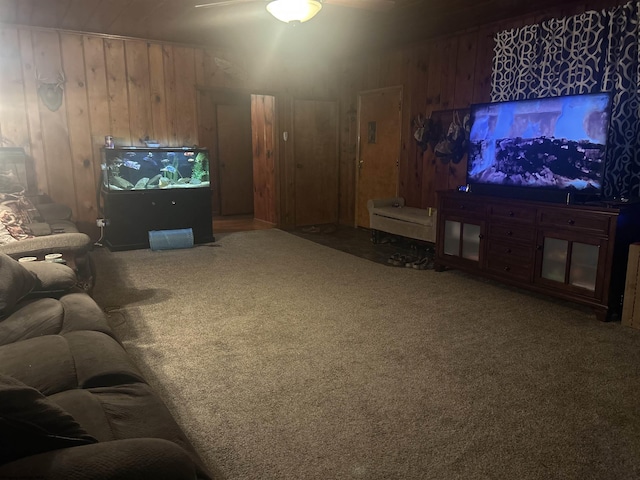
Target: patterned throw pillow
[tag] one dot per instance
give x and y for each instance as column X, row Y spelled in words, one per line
column 16, row 210
column 5, row 236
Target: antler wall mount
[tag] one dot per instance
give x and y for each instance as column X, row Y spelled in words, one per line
column 51, row 92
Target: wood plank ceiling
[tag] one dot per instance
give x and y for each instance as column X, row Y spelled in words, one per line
column 336, row 31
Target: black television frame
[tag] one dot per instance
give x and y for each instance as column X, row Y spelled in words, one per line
column 539, row 192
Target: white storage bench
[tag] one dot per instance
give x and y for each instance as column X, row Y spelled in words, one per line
column 391, row 216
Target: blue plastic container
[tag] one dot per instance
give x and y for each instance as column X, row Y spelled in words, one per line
column 171, row 239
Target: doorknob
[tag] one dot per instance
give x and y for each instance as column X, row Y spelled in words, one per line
column 360, row 164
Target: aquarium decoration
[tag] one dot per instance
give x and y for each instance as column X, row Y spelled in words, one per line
column 131, row 168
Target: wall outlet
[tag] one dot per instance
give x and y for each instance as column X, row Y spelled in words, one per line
column 101, row 222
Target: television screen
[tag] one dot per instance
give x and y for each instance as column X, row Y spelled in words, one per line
column 556, row 143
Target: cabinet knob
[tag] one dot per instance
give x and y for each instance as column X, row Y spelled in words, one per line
column 511, row 214
column 509, row 233
column 481, row 236
column 461, row 206
column 507, row 268
column 173, row 202
column 507, row 250
column 571, row 221
column 538, row 247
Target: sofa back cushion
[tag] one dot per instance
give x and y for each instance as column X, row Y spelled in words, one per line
column 15, row 283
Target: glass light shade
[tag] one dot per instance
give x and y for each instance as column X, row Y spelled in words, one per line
column 294, row 10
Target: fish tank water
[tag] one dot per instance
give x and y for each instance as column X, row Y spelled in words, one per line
column 143, row 168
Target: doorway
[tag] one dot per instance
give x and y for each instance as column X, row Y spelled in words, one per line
column 225, row 130
column 378, row 156
column 238, row 130
column 288, row 179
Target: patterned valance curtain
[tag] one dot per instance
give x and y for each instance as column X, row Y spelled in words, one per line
column 587, row 53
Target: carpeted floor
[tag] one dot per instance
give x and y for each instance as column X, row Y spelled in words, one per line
column 286, row 359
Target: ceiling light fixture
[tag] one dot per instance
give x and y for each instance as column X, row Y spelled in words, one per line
column 294, row 10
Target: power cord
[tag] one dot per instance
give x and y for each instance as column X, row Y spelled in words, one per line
column 98, row 242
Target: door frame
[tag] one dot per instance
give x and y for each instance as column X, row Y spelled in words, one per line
column 361, row 93
column 276, row 122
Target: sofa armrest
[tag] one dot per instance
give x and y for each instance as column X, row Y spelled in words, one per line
column 384, row 202
column 129, row 459
column 58, row 243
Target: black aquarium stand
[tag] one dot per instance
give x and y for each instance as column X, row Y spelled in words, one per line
column 131, row 214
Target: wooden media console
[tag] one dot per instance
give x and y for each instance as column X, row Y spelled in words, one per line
column 575, row 252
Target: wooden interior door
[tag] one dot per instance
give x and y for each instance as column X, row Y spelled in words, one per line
column 263, row 115
column 235, row 158
column 379, row 131
column 315, row 138
column 225, row 130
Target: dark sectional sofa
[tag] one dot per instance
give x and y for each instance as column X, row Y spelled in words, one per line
column 72, row 403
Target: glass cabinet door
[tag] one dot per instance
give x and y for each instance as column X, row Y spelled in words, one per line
column 554, row 259
column 583, row 270
column 570, row 262
column 452, row 237
column 471, row 242
column 462, row 240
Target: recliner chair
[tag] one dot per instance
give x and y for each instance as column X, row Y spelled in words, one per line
column 34, row 226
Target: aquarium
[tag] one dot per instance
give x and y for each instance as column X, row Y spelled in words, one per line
column 143, row 168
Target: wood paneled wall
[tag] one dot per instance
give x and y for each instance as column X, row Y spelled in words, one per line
column 131, row 89
column 135, row 89
column 446, row 73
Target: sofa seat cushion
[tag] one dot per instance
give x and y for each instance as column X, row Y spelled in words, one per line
column 407, row 214
column 33, row 319
column 31, row 424
column 131, row 459
column 52, row 212
column 37, row 229
column 63, row 226
column 15, row 283
column 55, row 363
column 122, row 412
column 49, row 316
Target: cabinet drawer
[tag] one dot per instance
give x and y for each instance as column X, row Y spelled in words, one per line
column 578, row 220
column 514, row 251
column 512, row 232
column 462, row 205
column 507, row 267
column 513, row 213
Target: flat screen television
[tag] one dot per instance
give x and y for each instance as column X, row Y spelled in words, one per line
column 540, row 148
